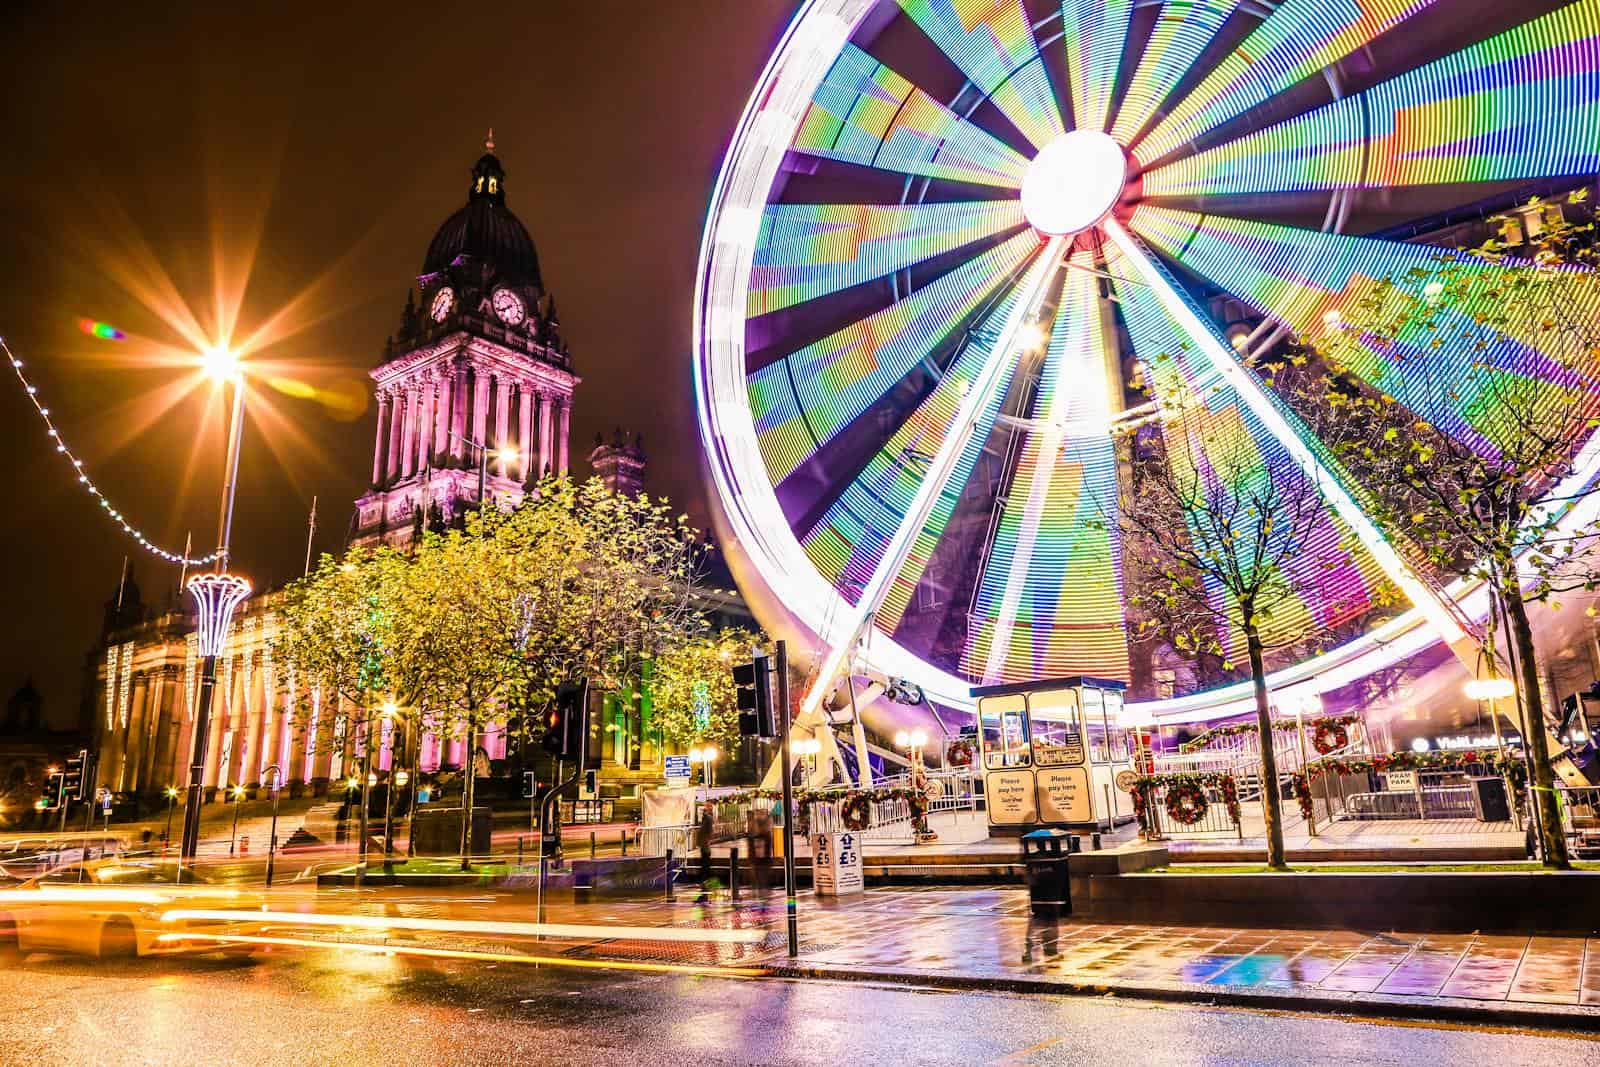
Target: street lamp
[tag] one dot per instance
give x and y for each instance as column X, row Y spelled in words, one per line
column 218, row 594
column 504, row 453
column 238, row 798
column 272, row 835
column 166, row 835
column 914, row 742
column 706, row 757
column 1489, row 690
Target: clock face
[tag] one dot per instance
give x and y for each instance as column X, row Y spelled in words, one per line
column 508, row 306
column 443, row 301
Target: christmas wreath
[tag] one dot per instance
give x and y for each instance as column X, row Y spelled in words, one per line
column 1186, row 803
column 960, row 754
column 1329, row 736
column 857, row 812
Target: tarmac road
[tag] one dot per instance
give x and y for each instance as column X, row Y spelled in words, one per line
column 334, row 1006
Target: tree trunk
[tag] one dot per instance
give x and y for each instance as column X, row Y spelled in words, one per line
column 1271, row 799
column 1534, row 731
column 468, row 773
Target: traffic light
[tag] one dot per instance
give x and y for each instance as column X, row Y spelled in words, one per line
column 567, row 721
column 74, row 780
column 51, row 796
column 753, row 684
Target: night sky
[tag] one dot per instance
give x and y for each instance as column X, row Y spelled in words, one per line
column 147, row 142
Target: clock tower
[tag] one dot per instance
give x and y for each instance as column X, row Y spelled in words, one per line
column 478, row 367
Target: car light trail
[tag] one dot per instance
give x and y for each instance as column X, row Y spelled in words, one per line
column 692, row 935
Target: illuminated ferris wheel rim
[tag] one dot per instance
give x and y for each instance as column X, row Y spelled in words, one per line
column 745, row 496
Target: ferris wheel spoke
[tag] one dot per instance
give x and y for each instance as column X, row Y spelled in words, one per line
column 806, row 251
column 1093, row 32
column 803, row 400
column 992, row 43
column 877, row 538
column 865, row 113
column 1214, row 405
column 1304, row 278
column 1059, row 517
column 1519, row 105
column 1295, row 42
column 1180, row 35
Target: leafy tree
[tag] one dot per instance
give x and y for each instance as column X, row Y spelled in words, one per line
column 1461, row 471
column 692, row 686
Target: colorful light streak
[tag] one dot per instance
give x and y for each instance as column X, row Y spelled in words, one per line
column 1050, row 602
column 992, row 42
column 103, row 330
column 1298, row 40
column 1521, row 105
column 865, row 113
column 1093, row 34
column 1181, row 33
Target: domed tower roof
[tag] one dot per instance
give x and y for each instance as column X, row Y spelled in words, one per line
column 486, row 230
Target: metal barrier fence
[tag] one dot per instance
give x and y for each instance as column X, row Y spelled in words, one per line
column 1580, row 818
column 1213, row 821
column 1437, row 795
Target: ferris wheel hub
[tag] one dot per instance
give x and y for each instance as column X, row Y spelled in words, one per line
column 1073, row 182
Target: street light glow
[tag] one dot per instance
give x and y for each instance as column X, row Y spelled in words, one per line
column 220, row 363
column 1489, row 688
column 507, row 454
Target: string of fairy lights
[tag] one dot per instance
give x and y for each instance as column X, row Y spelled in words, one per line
column 86, row 482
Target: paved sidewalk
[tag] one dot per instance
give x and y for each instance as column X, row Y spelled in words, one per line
column 985, row 938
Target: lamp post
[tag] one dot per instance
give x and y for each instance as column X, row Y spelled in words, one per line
column 914, row 742
column 705, row 757
column 216, row 596
column 238, row 798
column 505, row 454
column 166, row 835
column 272, row 835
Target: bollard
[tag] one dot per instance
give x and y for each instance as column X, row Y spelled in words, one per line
column 544, row 878
column 625, row 845
column 733, row 873
column 591, row 844
column 669, row 872
column 520, row 842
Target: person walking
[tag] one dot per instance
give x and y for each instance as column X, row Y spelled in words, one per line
column 702, row 841
column 759, row 844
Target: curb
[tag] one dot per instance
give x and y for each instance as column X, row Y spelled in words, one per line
column 1361, row 1005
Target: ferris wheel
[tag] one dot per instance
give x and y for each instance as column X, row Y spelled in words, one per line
column 951, row 237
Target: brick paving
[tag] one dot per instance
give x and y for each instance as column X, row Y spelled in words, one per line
column 987, row 933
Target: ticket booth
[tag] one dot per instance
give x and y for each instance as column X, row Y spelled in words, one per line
column 1051, row 751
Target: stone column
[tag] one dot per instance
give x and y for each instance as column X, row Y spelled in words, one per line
column 255, row 711
column 391, row 461
column 133, row 738
column 155, row 722
column 480, row 412
column 525, row 429
column 502, row 422
column 546, row 453
column 425, row 424
column 221, row 710
column 382, row 438
column 561, row 436
column 458, row 410
column 408, row 431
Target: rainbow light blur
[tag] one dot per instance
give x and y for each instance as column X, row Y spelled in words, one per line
column 1050, row 602
column 992, row 42
column 1092, row 34
column 1527, row 96
column 1295, row 42
column 103, row 330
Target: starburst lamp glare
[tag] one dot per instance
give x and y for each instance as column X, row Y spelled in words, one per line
column 1489, row 688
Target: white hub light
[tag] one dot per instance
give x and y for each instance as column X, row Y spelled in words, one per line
column 1073, row 182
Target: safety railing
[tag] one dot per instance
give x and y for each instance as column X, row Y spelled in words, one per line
column 1190, row 806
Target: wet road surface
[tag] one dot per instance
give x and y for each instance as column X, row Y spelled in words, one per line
column 332, row 1006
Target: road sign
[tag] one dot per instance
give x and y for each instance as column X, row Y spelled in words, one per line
column 678, row 767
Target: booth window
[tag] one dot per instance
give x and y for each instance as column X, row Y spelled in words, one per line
column 1114, row 728
column 1057, row 728
column 1005, row 733
column 1094, row 718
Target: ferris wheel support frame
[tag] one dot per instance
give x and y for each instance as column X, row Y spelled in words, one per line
column 988, row 382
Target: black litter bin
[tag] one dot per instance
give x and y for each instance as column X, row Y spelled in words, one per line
column 1489, row 802
column 1046, row 855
